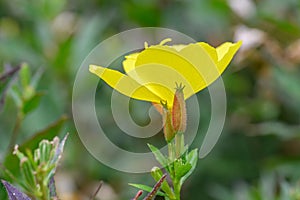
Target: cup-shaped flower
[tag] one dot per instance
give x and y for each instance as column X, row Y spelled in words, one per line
column 152, row 73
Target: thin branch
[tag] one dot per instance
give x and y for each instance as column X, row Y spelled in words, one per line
column 15, row 132
column 155, row 188
column 9, row 73
column 138, row 194
column 97, row 190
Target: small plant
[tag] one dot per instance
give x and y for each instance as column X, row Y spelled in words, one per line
column 33, row 164
column 151, row 75
column 37, row 170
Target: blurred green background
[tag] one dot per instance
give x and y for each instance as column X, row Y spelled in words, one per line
column 258, row 154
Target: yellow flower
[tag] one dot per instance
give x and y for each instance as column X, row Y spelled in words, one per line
column 152, row 74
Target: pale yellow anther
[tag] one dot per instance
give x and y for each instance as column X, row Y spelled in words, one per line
column 165, row 41
column 146, row 45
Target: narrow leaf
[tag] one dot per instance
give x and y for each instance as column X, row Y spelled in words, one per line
column 32, row 103
column 159, row 156
column 47, row 134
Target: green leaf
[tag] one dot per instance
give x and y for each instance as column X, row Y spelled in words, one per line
column 32, row 103
column 181, row 169
column 159, row 156
column 146, row 188
column 3, row 193
column 36, row 78
column 25, row 75
column 192, row 159
column 16, row 96
column 48, row 134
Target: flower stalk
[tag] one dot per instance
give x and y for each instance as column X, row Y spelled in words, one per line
column 174, row 119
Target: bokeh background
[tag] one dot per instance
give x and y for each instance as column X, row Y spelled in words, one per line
column 258, row 154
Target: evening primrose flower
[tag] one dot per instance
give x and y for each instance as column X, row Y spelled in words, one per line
column 152, row 74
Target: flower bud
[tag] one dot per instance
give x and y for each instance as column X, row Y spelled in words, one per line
column 179, row 110
column 168, row 128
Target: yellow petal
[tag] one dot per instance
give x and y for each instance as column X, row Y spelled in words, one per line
column 129, row 62
column 226, row 52
column 124, row 84
column 183, row 70
column 210, row 50
column 178, row 47
column 203, row 58
column 161, row 80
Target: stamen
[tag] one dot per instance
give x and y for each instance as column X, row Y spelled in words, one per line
column 165, row 41
column 146, row 45
column 164, row 103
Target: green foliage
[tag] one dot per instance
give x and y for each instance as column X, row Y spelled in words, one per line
column 262, row 129
column 38, row 167
column 179, row 169
column 24, row 93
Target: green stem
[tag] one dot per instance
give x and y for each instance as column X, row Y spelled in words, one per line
column 15, row 132
column 171, row 151
column 177, row 189
column 179, row 144
column 44, row 190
